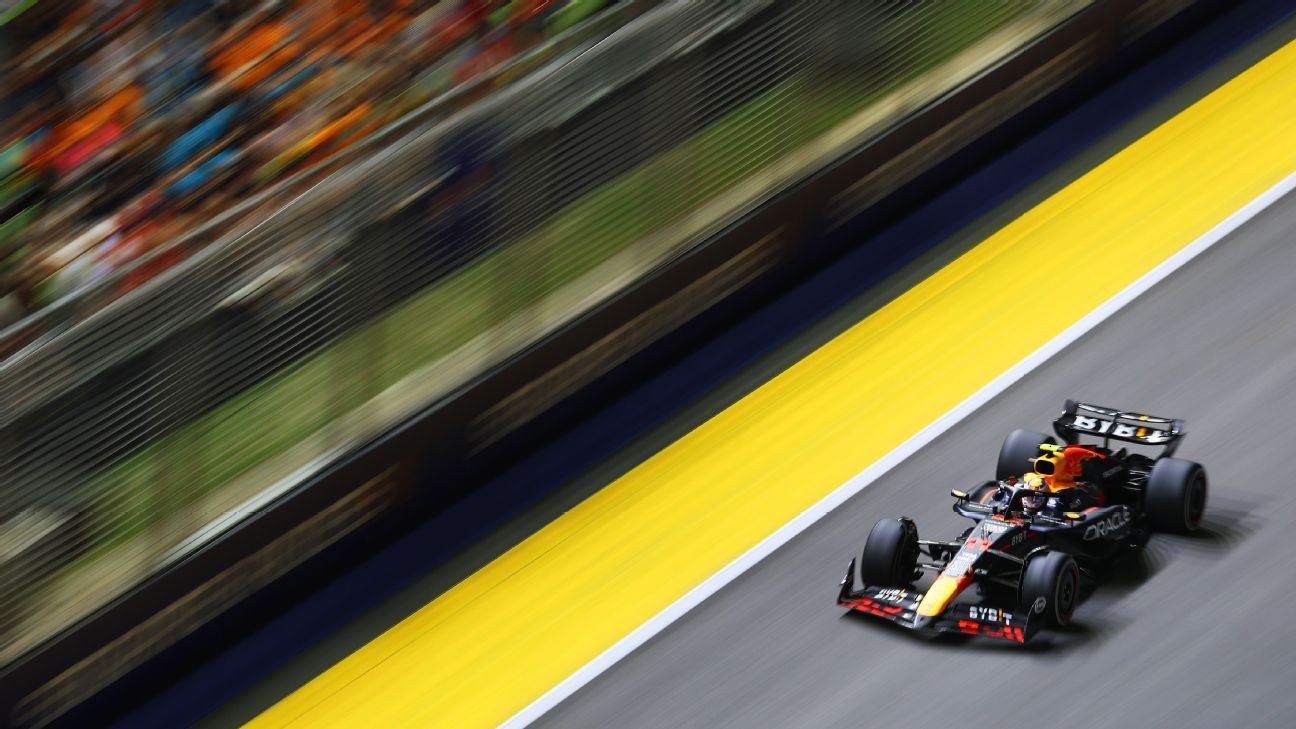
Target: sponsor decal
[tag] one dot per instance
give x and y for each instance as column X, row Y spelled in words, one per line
column 961, row 563
column 993, row 527
column 992, row 530
column 1038, row 606
column 1110, row 525
column 892, row 594
column 986, row 614
column 1120, row 430
column 1096, row 425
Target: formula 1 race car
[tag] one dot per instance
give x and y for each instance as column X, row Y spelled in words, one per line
column 1056, row 512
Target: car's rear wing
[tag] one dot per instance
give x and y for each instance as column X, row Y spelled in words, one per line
column 1079, row 419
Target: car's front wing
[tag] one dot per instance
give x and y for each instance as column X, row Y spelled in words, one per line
column 900, row 606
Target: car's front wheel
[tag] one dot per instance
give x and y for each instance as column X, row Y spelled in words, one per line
column 1050, row 587
column 890, row 556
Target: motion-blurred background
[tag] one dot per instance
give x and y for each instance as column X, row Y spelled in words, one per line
column 131, row 124
column 135, row 135
column 279, row 281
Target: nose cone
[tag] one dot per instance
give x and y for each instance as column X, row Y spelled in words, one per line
column 942, row 593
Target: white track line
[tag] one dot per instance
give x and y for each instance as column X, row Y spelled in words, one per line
column 861, row 480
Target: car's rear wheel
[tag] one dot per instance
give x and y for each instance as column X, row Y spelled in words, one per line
column 1050, row 587
column 1176, row 495
column 890, row 554
column 1018, row 450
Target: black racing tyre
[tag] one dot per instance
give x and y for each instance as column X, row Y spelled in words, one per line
column 890, row 554
column 1050, row 586
column 1176, row 495
column 1018, row 450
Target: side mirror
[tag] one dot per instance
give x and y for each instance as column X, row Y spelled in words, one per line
column 957, row 494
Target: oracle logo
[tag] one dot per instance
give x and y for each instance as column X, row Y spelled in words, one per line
column 1110, row 525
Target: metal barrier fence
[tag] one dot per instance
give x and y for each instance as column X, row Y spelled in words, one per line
column 171, row 413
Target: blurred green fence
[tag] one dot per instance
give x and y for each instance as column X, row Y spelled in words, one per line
column 139, row 433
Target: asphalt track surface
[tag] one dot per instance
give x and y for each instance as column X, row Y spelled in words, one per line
column 1194, row 632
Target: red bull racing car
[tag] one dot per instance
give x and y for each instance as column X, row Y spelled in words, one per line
column 1057, row 511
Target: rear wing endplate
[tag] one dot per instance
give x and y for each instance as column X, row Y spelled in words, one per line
column 1080, row 419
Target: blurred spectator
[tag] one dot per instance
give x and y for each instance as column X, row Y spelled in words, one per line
column 130, row 122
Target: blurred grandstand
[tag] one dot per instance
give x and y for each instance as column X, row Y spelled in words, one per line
column 495, row 171
column 129, row 123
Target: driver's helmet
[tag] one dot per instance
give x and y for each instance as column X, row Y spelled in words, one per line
column 1039, row 492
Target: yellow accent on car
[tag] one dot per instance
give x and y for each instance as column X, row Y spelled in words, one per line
column 942, row 592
